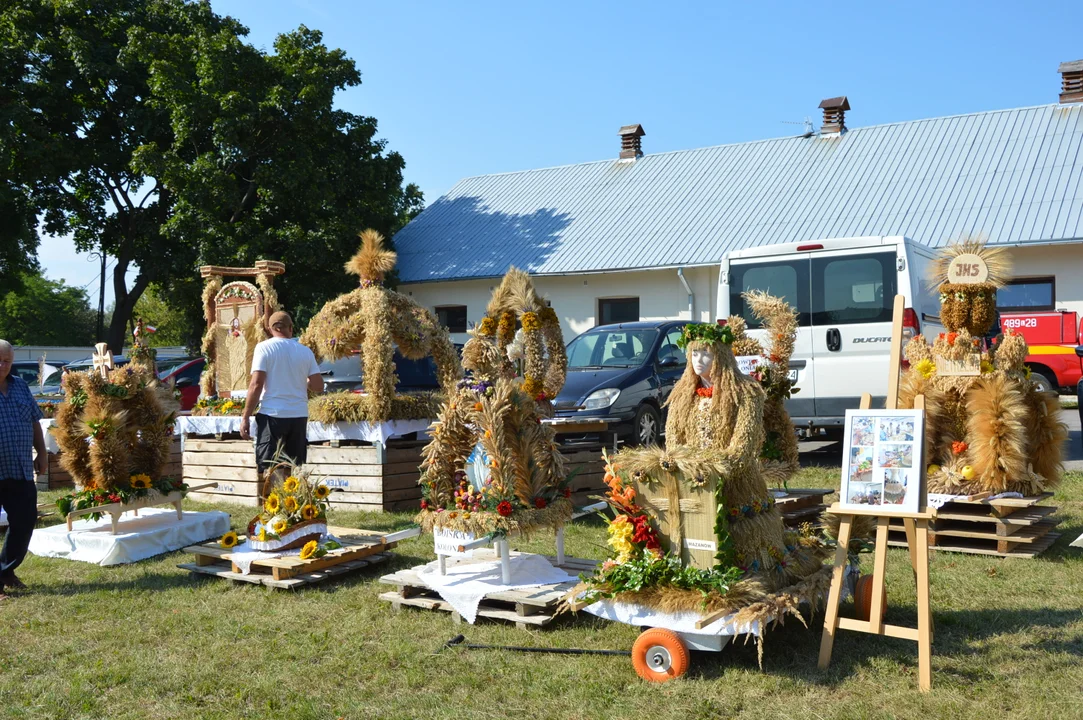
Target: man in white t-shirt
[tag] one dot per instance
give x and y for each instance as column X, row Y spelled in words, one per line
column 284, row 372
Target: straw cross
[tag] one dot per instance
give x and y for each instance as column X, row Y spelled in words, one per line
column 103, row 359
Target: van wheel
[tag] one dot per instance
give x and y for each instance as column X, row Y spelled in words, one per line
column 1043, row 382
column 647, row 426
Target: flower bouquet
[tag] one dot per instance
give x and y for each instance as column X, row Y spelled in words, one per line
column 294, row 515
column 218, row 406
column 139, row 486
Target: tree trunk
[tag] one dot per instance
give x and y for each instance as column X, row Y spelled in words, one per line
column 124, row 304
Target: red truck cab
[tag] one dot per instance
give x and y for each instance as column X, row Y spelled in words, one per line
column 1052, row 337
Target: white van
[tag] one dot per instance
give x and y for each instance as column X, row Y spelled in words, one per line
column 843, row 290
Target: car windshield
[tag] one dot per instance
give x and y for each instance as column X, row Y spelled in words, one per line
column 611, row 348
column 168, row 365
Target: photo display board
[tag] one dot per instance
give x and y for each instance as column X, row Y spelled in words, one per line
column 883, row 460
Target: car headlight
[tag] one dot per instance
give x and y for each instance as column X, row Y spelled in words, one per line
column 601, row 399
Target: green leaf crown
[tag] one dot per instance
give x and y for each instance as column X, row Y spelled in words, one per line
column 705, row 332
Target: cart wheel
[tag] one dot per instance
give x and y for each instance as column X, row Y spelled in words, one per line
column 863, row 598
column 659, row 655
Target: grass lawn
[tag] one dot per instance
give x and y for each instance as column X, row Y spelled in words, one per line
column 151, row 641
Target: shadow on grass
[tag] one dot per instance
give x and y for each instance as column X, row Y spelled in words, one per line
column 791, row 651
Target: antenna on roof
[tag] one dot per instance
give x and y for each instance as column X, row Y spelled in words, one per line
column 807, row 122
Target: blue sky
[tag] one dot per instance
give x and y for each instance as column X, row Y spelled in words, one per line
column 470, row 88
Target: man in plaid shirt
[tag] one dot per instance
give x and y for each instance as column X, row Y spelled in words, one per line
column 19, row 434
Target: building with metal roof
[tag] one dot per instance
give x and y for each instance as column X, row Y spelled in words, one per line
column 1015, row 176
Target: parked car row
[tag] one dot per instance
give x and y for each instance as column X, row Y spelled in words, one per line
column 183, row 373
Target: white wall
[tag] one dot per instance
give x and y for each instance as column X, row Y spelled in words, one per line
column 1064, row 262
column 575, row 298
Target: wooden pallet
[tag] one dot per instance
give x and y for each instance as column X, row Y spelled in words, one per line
column 291, row 572
column 527, row 608
column 1008, row 527
column 802, row 506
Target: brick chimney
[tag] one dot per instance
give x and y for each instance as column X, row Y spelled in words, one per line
column 630, row 148
column 1071, row 81
column 834, row 115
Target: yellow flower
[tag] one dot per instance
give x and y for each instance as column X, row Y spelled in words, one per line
column 272, row 503
column 229, row 540
column 309, row 512
column 263, row 533
column 309, row 549
column 531, row 322
column 139, row 482
column 279, row 527
column 290, row 503
column 986, row 367
column 926, row 367
column 322, row 491
column 291, row 484
column 620, row 538
column 1026, row 371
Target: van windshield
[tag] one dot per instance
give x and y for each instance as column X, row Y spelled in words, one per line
column 611, row 348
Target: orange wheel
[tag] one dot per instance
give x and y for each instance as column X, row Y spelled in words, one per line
column 863, row 598
column 659, row 655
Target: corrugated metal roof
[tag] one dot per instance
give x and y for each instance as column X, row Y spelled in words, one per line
column 1012, row 175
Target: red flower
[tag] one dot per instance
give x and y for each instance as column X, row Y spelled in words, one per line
column 951, row 338
column 504, row 508
column 539, row 502
column 705, row 392
column 539, row 397
column 114, row 498
column 424, row 504
column 942, row 336
column 959, row 447
column 567, row 492
column 774, row 357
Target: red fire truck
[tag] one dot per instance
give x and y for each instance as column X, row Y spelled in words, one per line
column 1052, row 337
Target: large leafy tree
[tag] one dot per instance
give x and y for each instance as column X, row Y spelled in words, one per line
column 46, row 312
column 167, row 141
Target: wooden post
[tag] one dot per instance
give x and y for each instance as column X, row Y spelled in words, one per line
column 895, row 358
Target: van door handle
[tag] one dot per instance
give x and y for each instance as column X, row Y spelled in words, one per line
column 834, row 340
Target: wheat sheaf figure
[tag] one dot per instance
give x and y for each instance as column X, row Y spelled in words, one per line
column 994, row 430
column 376, row 320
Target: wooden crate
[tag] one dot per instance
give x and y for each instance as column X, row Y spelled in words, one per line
column 527, row 608
column 360, row 480
column 57, row 478
column 290, row 573
column 1008, row 527
column 589, row 469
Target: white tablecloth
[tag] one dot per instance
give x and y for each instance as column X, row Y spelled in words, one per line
column 464, row 585
column 153, row 532
column 317, row 432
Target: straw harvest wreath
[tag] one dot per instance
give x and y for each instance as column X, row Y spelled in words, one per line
column 491, row 425
column 114, row 430
column 990, row 429
column 377, row 319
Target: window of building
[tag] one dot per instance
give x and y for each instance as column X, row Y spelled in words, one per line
column 1028, row 294
column 453, row 317
column 618, row 310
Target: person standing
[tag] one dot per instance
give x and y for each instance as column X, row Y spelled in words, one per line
column 284, row 372
column 19, row 434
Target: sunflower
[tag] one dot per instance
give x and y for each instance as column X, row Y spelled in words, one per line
column 229, row 540
column 309, row 549
column 140, row 482
column 290, row 503
column 272, row 503
column 322, row 491
column 309, row 512
column 291, row 484
column 279, row 527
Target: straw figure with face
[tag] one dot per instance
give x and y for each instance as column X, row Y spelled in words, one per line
column 988, row 427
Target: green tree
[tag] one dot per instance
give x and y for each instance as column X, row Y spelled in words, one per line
column 172, row 328
column 151, row 130
column 46, row 312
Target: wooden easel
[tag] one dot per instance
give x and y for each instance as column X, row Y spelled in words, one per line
column 917, row 539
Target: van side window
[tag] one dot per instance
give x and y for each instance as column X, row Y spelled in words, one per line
column 853, row 289
column 788, row 280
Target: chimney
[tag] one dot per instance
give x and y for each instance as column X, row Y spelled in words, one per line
column 629, row 142
column 1071, row 81
column 834, row 115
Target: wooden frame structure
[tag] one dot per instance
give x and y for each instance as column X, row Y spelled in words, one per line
column 115, row 510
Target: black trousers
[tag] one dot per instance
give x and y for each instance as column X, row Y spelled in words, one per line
column 280, row 438
column 20, row 499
